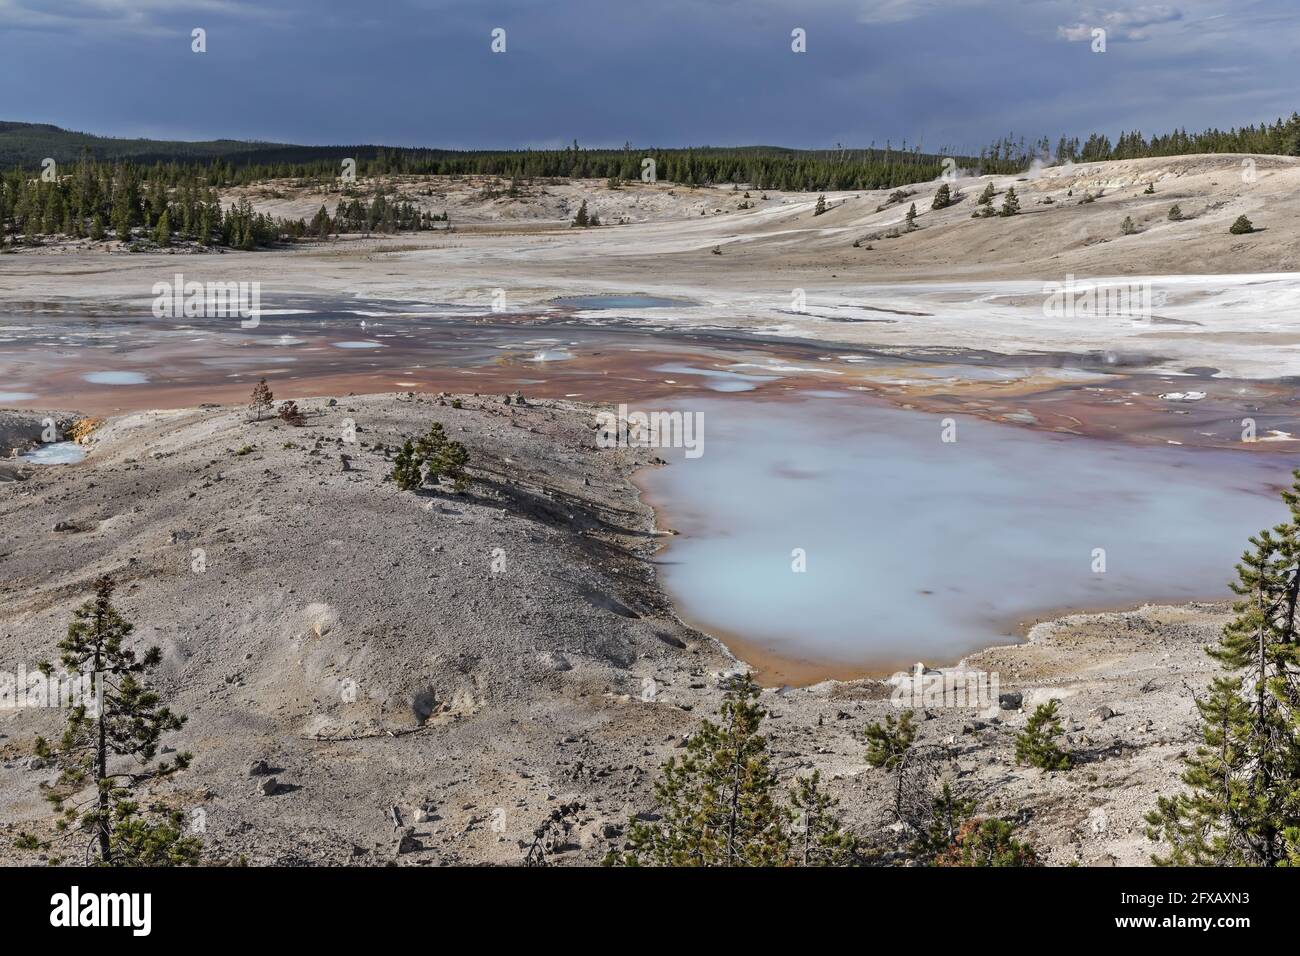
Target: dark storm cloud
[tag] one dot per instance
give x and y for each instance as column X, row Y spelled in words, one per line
column 954, row 73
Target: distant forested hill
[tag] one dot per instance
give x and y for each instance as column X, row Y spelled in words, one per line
column 232, row 161
column 27, row 144
column 228, row 162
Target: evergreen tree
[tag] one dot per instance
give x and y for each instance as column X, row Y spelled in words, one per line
column 450, row 460
column 911, row 217
column 54, row 213
column 1241, row 226
column 820, row 207
column 431, row 443
column 1127, row 227
column 1292, row 838
column 406, row 468
column 126, row 722
column 431, row 457
column 320, row 223
column 819, row 836
column 1010, row 204
column 1175, row 212
column 948, row 813
column 987, row 195
column 582, row 220
column 987, row 843
column 124, row 213
column 942, row 197
column 1242, row 807
column 97, row 228
column 261, row 399
column 717, row 802
column 163, row 231
column 888, row 743
column 122, row 223
column 1036, row 745
column 206, row 226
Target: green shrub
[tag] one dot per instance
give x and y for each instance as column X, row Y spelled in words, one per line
column 888, row 743
column 1036, row 745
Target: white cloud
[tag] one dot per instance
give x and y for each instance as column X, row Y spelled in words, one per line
column 1133, row 24
column 1075, row 33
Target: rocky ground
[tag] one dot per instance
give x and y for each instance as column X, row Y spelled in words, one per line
column 350, row 654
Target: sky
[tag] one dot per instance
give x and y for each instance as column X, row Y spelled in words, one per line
column 942, row 73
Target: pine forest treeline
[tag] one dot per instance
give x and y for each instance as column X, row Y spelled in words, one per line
column 762, row 167
column 171, row 202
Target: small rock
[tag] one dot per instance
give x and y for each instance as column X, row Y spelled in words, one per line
column 407, row 843
column 1103, row 713
column 268, row 786
column 1012, row 700
column 554, row 661
column 259, row 768
column 424, row 704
